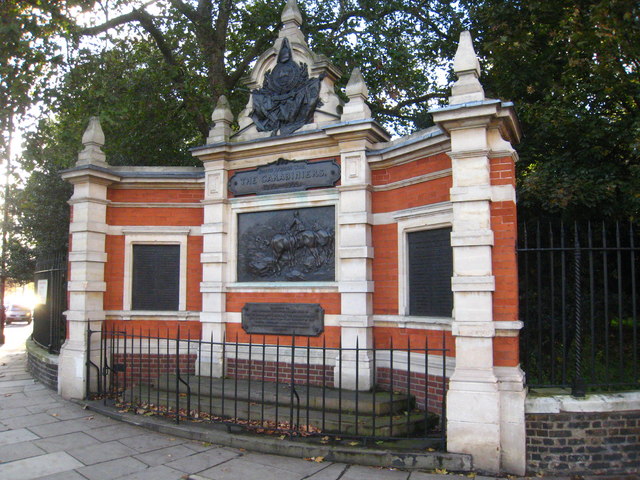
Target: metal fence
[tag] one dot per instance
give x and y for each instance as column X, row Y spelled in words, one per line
column 49, row 323
column 291, row 388
column 579, row 303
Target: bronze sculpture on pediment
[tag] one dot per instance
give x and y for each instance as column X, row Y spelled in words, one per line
column 288, row 96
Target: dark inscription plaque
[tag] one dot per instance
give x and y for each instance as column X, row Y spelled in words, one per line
column 285, row 176
column 293, row 245
column 156, row 277
column 306, row 319
column 430, row 271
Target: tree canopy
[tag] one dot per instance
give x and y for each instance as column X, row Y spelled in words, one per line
column 153, row 70
column 573, row 71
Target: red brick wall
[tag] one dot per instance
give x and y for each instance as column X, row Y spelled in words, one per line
column 330, row 302
column 504, row 262
column 385, row 269
column 400, row 338
column 162, row 216
column 329, row 338
column 422, row 166
column 114, row 272
column 156, row 328
column 194, row 273
column 145, row 368
column 272, row 371
column 144, row 195
column 425, row 193
column 597, row 444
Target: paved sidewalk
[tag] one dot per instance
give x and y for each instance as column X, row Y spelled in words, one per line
column 45, row 437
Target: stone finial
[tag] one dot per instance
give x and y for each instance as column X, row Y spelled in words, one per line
column 291, row 14
column 291, row 21
column 467, row 67
column 222, row 119
column 93, row 140
column 357, row 91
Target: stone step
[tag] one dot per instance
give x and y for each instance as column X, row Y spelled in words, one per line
column 317, row 398
column 269, row 415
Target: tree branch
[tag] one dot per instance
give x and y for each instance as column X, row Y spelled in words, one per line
column 234, row 77
column 186, row 10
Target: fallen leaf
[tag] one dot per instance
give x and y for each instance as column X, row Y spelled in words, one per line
column 353, row 444
column 318, row 459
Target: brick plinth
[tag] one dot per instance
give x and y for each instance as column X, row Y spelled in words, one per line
column 578, row 443
column 428, row 391
column 143, row 368
column 273, row 371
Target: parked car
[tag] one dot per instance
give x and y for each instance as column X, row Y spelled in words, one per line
column 18, row 313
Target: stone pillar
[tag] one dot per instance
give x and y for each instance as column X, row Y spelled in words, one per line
column 87, row 257
column 478, row 413
column 214, row 254
column 355, row 245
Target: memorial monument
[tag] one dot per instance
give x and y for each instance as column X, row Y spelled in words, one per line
column 309, row 220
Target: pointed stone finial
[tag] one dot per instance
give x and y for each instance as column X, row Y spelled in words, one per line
column 357, row 91
column 291, row 14
column 93, row 140
column 222, row 119
column 467, row 67
column 291, row 21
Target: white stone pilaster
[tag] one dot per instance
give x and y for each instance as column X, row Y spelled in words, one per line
column 214, row 265
column 87, row 256
column 355, row 253
column 485, row 405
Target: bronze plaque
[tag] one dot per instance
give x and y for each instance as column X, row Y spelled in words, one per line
column 293, row 245
column 285, row 176
column 305, row 319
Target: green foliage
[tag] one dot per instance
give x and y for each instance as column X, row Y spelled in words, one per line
column 572, row 69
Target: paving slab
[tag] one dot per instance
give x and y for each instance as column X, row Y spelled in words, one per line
column 71, row 475
column 204, row 460
column 36, row 467
column 148, row 441
column 284, row 463
column 164, row 455
column 239, row 468
column 331, row 471
column 29, row 420
column 102, row 452
column 17, row 436
column 18, row 451
column 113, row 469
column 357, row 472
column 113, row 432
column 61, row 427
column 161, row 472
column 64, row 442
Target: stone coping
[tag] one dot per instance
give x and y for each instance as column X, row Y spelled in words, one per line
column 41, row 353
column 597, row 402
column 220, row 435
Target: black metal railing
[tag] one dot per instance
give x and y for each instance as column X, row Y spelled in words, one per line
column 296, row 389
column 579, row 303
column 49, row 323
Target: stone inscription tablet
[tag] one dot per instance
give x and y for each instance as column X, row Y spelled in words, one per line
column 305, row 319
column 285, row 176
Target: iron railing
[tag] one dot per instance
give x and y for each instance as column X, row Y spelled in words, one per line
column 296, row 389
column 579, row 303
column 49, row 323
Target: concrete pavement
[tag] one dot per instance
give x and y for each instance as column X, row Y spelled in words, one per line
column 43, row 436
